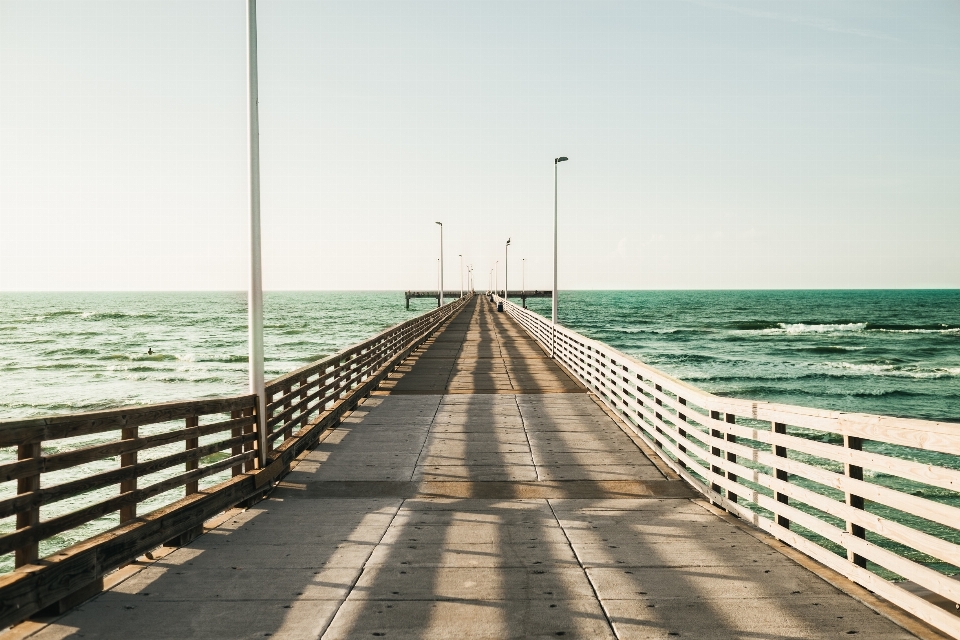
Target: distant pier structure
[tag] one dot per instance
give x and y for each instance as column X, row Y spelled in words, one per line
column 523, row 295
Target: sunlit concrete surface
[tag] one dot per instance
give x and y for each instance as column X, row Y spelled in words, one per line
column 482, row 494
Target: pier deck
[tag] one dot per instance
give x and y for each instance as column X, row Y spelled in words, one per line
column 480, row 493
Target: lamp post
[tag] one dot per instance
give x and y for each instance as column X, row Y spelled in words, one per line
column 506, row 248
column 523, row 281
column 496, row 277
column 440, row 293
column 461, row 275
column 255, row 293
column 556, row 161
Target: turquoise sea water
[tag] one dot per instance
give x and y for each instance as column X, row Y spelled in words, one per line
column 69, row 352
column 885, row 352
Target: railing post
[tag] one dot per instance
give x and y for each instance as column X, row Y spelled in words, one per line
column 731, row 457
column 192, row 443
column 781, row 474
column 128, row 459
column 659, row 417
column 28, row 554
column 287, row 430
column 250, row 465
column 237, row 449
column 855, row 501
column 715, row 451
column 682, row 432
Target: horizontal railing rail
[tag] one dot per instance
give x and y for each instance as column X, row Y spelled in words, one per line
column 72, row 470
column 874, row 498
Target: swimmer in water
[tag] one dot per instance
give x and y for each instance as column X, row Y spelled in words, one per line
column 150, row 351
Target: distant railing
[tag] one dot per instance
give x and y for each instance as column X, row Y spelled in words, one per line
column 219, row 439
column 866, row 495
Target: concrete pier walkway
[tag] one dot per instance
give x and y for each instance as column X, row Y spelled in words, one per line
column 481, row 493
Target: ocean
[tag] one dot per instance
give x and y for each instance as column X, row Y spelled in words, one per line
column 885, row 352
column 893, row 353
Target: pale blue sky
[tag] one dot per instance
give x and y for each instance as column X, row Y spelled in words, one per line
column 712, row 144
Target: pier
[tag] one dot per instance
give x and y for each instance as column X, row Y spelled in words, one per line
column 449, row 478
column 452, row 295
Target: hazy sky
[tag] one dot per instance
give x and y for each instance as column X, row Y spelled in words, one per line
column 712, row 144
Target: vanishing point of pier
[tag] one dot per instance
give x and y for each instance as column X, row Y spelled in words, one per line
column 478, row 490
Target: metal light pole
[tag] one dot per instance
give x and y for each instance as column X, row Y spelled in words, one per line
column 523, row 281
column 440, row 296
column 556, row 161
column 461, row 275
column 496, row 277
column 506, row 292
column 255, row 294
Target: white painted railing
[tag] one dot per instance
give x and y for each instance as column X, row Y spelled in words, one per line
column 827, row 483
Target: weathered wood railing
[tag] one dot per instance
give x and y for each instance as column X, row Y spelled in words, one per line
column 67, row 467
column 849, row 490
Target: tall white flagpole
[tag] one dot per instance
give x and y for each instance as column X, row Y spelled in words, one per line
column 255, row 297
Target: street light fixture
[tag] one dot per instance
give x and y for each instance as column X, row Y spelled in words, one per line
column 556, row 161
column 440, row 293
column 461, row 275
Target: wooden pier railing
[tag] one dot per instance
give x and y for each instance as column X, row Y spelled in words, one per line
column 874, row 498
column 126, row 463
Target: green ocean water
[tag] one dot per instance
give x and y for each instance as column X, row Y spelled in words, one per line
column 884, row 352
column 67, row 352
column 887, row 352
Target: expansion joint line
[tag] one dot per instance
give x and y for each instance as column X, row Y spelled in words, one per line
column 526, row 435
column 363, row 569
column 426, row 437
column 593, row 587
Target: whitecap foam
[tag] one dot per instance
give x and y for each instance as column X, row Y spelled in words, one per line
column 895, row 371
column 799, row 328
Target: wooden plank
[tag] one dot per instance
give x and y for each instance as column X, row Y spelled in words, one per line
column 76, row 457
column 48, row 528
column 16, row 432
column 29, row 517
column 781, row 474
column 65, row 490
column 128, row 459
column 909, row 469
column 926, row 543
column 930, row 510
column 236, row 432
column 191, row 446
